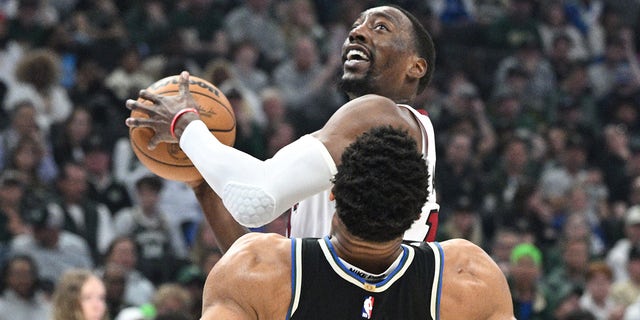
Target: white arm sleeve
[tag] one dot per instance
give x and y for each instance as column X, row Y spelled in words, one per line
column 256, row 192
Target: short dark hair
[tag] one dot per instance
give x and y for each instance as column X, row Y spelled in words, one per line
column 151, row 182
column 424, row 47
column 381, row 184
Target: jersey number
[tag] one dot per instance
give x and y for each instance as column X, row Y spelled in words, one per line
column 432, row 223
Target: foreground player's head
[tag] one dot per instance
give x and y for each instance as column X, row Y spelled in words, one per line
column 381, row 184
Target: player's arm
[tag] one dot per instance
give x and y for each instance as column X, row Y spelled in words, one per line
column 471, row 278
column 256, row 192
column 225, row 228
column 251, row 281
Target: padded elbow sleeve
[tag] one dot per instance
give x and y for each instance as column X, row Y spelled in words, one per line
column 256, row 192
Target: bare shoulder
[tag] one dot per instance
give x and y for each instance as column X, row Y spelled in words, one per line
column 363, row 112
column 360, row 115
column 472, row 278
column 256, row 266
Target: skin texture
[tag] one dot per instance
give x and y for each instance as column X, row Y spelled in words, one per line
column 258, row 265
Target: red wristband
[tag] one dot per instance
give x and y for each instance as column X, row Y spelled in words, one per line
column 177, row 116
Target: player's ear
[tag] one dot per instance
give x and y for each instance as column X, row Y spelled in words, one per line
column 331, row 196
column 418, row 68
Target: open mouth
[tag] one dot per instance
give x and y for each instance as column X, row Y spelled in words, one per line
column 355, row 59
column 357, row 55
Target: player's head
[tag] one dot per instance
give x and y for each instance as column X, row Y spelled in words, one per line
column 381, row 184
column 388, row 52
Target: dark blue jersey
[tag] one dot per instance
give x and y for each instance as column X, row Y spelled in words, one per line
column 324, row 288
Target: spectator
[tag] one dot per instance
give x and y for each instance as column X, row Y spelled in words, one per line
column 123, row 253
column 197, row 23
column 245, row 69
column 612, row 69
column 28, row 26
column 249, row 133
column 22, row 298
column 35, row 165
column 618, row 255
column 79, row 295
column 456, row 174
column 22, row 124
column 279, row 131
column 71, row 135
column 587, row 17
column 301, row 20
column 516, row 25
column 525, row 285
column 148, row 24
column 37, row 75
column 127, row 169
column 554, row 24
column 114, row 279
column 540, row 78
column 626, row 292
column 556, row 182
column 10, row 52
column 568, row 308
column 513, row 171
column 503, row 242
column 82, row 216
column 13, row 205
column 308, row 85
column 251, row 21
column 597, row 295
column 183, row 214
column 570, row 272
column 573, row 104
column 148, row 226
column 128, row 77
column 613, row 161
column 103, row 186
column 463, row 222
column 53, row 249
column 172, row 298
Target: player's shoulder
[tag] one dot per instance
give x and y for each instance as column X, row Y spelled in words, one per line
column 469, row 272
column 258, row 243
column 468, row 257
column 367, row 111
column 256, row 265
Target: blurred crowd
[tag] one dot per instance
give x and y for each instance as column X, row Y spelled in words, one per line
column 536, row 107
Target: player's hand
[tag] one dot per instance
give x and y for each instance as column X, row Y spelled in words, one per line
column 161, row 111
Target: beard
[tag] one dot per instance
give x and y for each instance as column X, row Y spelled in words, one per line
column 357, row 87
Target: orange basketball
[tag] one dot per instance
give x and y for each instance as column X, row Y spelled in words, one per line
column 167, row 160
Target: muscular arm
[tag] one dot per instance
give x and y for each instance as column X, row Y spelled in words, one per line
column 225, row 229
column 251, row 281
column 471, row 278
column 256, row 192
column 297, row 171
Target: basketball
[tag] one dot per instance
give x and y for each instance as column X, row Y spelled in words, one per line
column 167, row 160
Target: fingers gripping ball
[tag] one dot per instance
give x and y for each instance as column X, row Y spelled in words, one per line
column 167, row 160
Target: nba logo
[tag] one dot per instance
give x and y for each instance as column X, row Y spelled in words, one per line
column 367, row 307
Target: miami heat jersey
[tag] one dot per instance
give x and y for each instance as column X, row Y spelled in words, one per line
column 325, row 288
column 311, row 217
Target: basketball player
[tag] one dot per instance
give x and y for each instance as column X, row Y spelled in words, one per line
column 387, row 54
column 361, row 271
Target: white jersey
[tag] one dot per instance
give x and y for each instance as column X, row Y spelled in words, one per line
column 312, row 216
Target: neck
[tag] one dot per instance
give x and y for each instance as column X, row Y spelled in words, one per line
column 399, row 99
column 369, row 256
